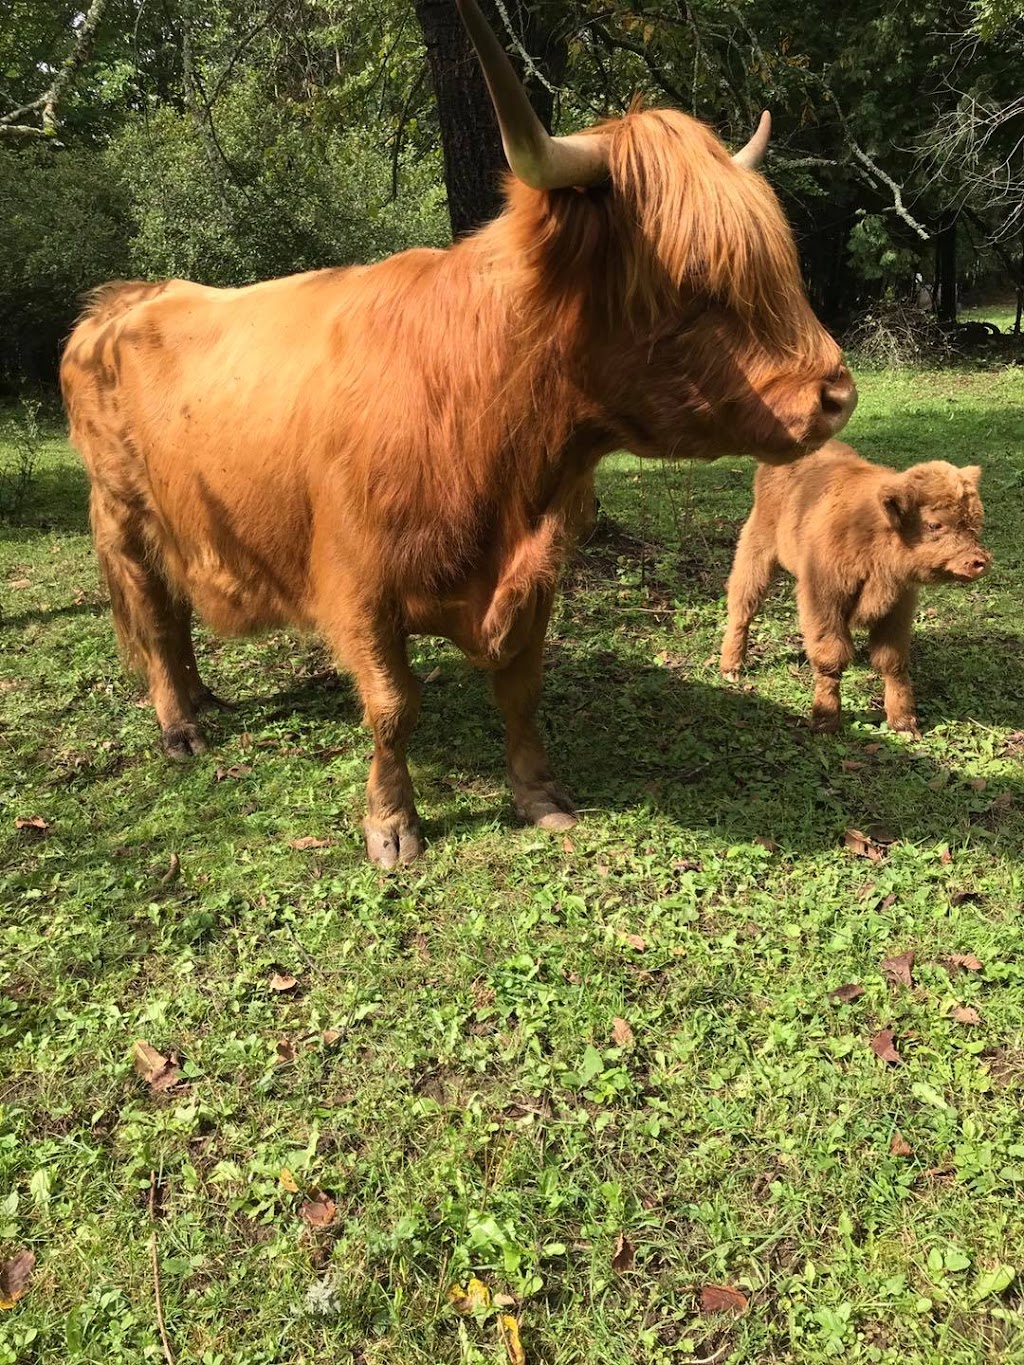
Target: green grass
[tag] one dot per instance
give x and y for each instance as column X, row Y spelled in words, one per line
column 455, row 1086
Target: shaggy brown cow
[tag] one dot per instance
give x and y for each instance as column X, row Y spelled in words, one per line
column 408, row 447
column 860, row 539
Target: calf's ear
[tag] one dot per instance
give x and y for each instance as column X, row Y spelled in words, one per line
column 895, row 499
column 971, row 474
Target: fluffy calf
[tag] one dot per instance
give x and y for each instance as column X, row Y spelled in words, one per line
column 860, row 539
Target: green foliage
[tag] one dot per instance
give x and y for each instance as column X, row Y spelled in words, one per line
column 457, row 1086
column 273, row 194
column 20, row 444
column 64, row 230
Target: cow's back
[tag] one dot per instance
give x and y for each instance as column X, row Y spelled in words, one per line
column 199, row 410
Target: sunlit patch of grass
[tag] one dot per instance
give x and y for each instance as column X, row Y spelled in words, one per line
column 453, row 1083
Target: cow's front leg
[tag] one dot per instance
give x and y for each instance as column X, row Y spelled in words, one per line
column 376, row 657
column 517, row 688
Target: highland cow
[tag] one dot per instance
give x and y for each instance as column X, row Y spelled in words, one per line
column 408, row 447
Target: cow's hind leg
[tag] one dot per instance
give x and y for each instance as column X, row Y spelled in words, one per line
column 517, row 688
column 752, row 573
column 374, row 652
column 153, row 625
column 825, row 622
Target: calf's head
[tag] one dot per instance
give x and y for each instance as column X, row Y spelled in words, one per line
column 937, row 513
column 673, row 275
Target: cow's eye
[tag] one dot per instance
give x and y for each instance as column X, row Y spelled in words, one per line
column 933, row 526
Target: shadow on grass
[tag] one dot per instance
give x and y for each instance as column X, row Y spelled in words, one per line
column 714, row 759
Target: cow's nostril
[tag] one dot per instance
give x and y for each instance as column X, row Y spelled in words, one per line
column 979, row 565
column 838, row 398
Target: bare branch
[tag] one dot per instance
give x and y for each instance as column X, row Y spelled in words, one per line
column 47, row 102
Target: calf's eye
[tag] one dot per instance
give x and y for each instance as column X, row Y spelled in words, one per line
column 933, row 526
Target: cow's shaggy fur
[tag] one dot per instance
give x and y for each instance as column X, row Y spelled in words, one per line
column 860, row 540
column 409, row 446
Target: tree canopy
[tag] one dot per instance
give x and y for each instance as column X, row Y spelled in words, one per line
column 243, row 138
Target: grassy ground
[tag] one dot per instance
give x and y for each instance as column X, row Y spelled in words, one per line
column 445, row 1082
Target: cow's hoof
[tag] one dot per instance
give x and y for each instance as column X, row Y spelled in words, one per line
column 731, row 674
column 392, row 842
column 824, row 722
column 905, row 725
column 548, row 808
column 183, row 741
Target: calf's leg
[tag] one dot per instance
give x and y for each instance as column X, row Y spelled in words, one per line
column 752, row 572
column 889, row 643
column 517, row 688
column 825, row 623
column 153, row 625
column 374, row 652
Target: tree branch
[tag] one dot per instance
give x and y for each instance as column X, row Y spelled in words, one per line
column 47, row 102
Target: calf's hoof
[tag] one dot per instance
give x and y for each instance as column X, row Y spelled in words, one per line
column 730, row 674
column 547, row 807
column 183, row 741
column 393, row 840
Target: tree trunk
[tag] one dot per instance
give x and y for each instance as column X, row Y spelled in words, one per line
column 474, row 161
column 945, row 271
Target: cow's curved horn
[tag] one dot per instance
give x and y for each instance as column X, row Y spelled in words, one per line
column 535, row 157
column 752, row 154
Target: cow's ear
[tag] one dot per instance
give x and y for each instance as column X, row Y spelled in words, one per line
column 895, row 498
column 971, row 475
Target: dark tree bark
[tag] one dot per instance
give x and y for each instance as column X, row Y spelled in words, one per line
column 474, row 161
column 945, row 270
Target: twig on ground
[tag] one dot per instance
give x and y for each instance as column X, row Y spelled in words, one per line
column 168, row 1354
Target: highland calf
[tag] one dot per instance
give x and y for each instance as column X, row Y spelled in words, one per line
column 859, row 539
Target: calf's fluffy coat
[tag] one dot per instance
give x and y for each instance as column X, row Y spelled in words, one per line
column 860, row 539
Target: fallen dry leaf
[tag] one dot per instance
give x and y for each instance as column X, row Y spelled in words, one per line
column 873, row 748
column 14, row 1277
column 509, row 1329
column 967, row 898
column 966, row 960
column 285, row 1052
column 852, row 765
column 433, row 675
column 898, row 969
column 234, row 772
column 843, row 995
column 769, row 844
column 473, row 1299
column 173, row 871
column 318, row 1209
column 899, row 1146
column 567, row 845
column 330, row 1036
column 622, row 1034
column 964, row 1014
column 635, row 941
column 21, row 583
column 159, row 1072
column 504, row 1301
column 1002, row 802
column 288, row 1181
column 308, row 841
column 282, row 982
column 861, row 846
column 882, row 1046
column 721, row 1298
column 31, row 822
column 624, row 1255
column 881, row 834
column 977, row 784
